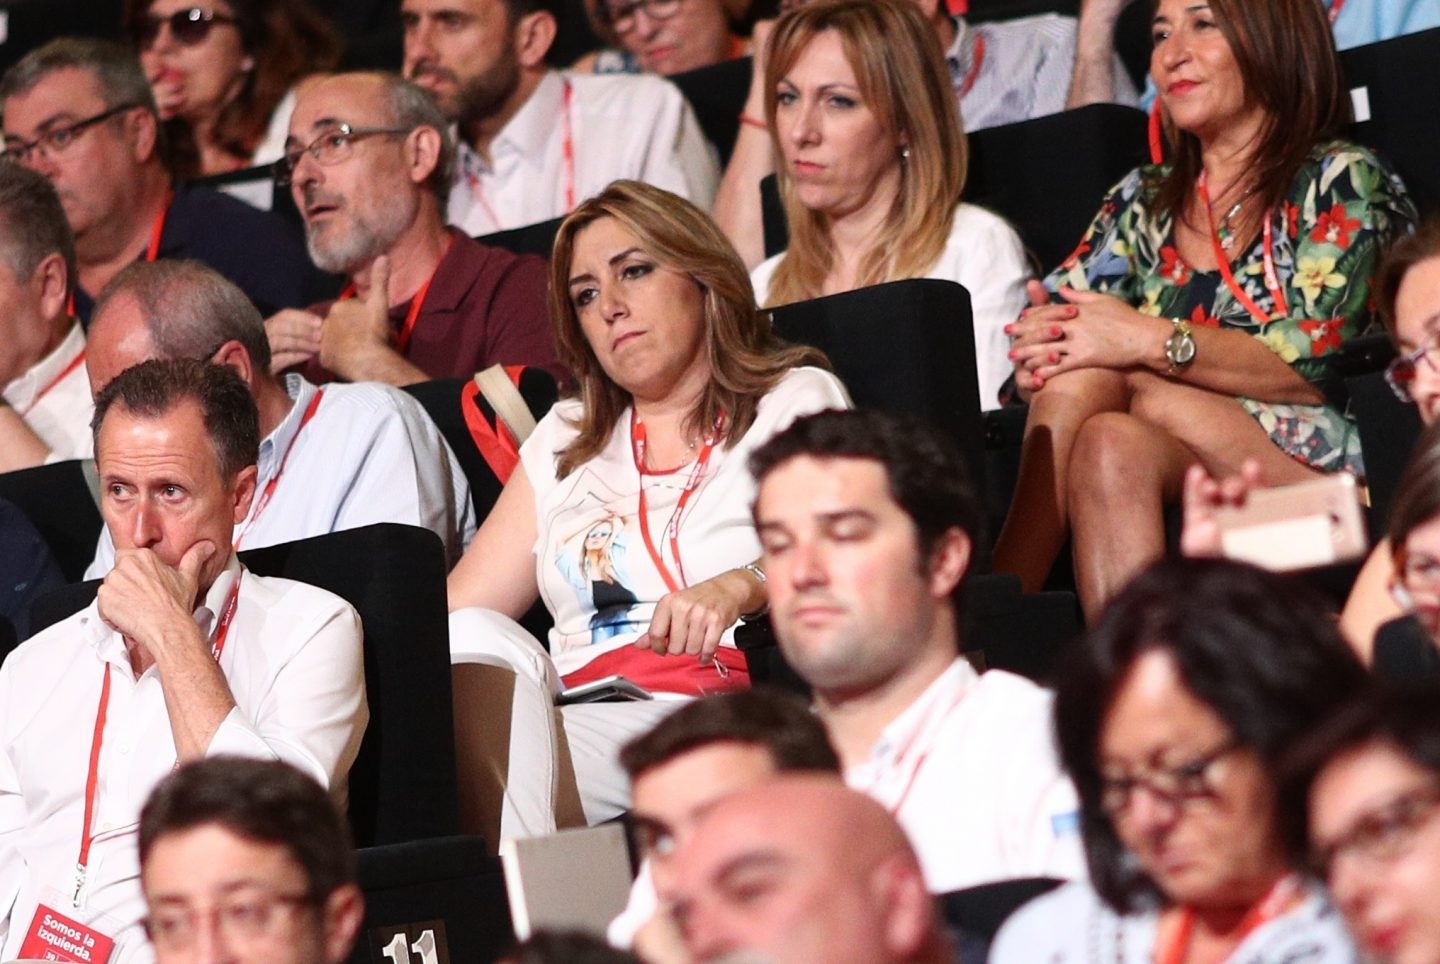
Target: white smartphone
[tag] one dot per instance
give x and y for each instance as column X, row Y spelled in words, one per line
column 610, row 689
column 1316, row 523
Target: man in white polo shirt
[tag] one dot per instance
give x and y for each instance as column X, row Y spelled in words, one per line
column 184, row 654
column 535, row 142
column 865, row 526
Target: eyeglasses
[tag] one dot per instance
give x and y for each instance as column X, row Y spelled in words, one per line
column 1177, row 785
column 329, row 148
column 57, row 139
column 1400, row 373
column 1417, row 580
column 1382, row 834
column 188, row 27
column 240, row 919
column 622, row 16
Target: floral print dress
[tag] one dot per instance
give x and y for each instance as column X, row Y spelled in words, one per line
column 1343, row 210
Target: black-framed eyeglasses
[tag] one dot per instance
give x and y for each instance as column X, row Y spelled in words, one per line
column 189, row 27
column 1400, row 373
column 1381, row 834
column 622, row 15
column 242, row 919
column 1176, row 785
column 57, row 139
column 331, row 147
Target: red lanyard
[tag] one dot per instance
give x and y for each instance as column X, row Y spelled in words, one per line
column 75, row 363
column 567, row 157
column 1335, row 10
column 158, row 228
column 974, row 67
column 417, row 303
column 1275, row 902
column 1272, row 280
column 92, row 777
column 269, row 491
column 672, row 528
column 920, row 758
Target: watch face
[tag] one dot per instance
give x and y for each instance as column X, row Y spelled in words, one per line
column 1180, row 349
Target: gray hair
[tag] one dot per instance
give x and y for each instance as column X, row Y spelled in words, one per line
column 32, row 223
column 411, row 106
column 190, row 309
column 115, row 67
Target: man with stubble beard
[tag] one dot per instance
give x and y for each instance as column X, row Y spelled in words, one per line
column 368, row 161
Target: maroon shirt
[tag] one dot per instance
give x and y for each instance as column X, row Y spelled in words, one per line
column 485, row 306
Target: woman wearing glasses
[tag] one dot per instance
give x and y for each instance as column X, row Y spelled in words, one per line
column 1373, row 775
column 662, row 36
column 1190, row 324
column 1171, row 715
column 223, row 72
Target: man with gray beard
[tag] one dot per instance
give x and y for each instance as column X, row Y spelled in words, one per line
column 368, row 161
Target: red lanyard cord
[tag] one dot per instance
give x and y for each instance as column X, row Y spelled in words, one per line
column 75, row 363
column 567, row 158
column 1278, row 899
column 1272, row 279
column 672, row 528
column 274, row 482
column 92, row 776
column 417, row 303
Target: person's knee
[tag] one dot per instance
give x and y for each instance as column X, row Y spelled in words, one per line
column 1110, row 455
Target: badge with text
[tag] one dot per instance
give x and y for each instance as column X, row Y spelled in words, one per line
column 55, row 937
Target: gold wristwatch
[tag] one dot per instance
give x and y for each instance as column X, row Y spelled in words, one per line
column 1180, row 346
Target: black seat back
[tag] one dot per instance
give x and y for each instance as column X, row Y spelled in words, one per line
column 1394, row 79
column 60, row 501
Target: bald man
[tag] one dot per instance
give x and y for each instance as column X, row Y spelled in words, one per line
column 801, row 869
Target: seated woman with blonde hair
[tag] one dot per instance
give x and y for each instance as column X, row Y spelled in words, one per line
column 863, row 116
column 679, row 378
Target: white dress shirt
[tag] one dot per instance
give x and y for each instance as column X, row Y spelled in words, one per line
column 57, row 411
column 618, row 125
column 370, row 454
column 294, row 665
column 971, row 773
column 986, row 256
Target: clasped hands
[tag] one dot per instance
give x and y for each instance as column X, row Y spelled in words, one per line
column 1087, row 330
column 353, row 330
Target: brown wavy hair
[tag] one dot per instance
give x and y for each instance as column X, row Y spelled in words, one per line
column 1288, row 64
column 288, row 41
column 746, row 358
column 902, row 76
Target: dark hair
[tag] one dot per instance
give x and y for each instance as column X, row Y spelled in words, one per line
column 1417, row 497
column 1407, row 252
column 190, row 309
column 779, row 722
column 153, row 388
column 1403, row 717
column 287, row 41
column 32, row 223
column 1286, row 56
column 265, row 801
column 925, row 472
column 1259, row 649
column 568, row 947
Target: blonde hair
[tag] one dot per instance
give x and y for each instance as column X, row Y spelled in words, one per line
column 903, row 78
column 746, row 358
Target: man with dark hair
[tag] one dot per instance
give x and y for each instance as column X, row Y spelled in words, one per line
column 340, row 457
column 182, row 655
column 535, row 142
column 866, row 526
column 706, row 750
column 368, row 162
column 45, row 405
column 80, row 112
column 249, row 862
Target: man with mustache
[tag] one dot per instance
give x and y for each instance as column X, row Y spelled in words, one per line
column 80, row 112
column 535, row 142
column 368, row 160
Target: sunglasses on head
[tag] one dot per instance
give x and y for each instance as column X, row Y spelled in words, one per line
column 189, row 26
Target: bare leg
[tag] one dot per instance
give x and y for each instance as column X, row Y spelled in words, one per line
column 1037, row 523
column 1121, row 474
column 1124, row 470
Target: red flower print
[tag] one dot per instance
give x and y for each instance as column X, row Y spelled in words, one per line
column 1334, row 227
column 1198, row 317
column 1172, row 267
column 1324, row 335
column 1292, row 218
